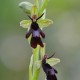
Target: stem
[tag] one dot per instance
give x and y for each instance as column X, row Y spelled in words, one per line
column 30, row 68
column 38, row 54
column 36, row 58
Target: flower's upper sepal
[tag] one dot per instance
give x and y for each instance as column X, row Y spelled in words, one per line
column 34, row 10
column 26, row 7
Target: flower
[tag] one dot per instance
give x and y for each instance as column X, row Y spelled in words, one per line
column 35, row 25
column 36, row 32
column 49, row 70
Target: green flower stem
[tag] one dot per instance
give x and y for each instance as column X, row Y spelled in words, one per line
column 36, row 58
column 33, row 71
column 38, row 54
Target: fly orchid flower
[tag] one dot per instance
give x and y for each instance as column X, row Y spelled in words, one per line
column 35, row 25
column 49, row 70
column 36, row 32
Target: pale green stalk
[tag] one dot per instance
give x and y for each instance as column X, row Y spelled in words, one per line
column 37, row 55
column 30, row 69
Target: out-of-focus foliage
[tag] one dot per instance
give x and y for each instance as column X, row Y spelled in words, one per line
column 63, row 37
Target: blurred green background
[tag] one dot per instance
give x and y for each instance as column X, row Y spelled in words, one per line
column 63, row 38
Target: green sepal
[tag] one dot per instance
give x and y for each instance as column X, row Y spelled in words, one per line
column 44, row 22
column 53, row 61
column 26, row 6
column 34, row 10
column 25, row 23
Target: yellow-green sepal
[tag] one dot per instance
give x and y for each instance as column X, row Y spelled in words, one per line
column 44, row 23
column 53, row 61
column 25, row 23
column 34, row 10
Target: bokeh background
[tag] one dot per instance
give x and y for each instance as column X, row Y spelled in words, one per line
column 63, row 37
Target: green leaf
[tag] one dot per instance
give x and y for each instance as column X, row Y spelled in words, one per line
column 53, row 61
column 26, row 6
column 25, row 23
column 44, row 22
